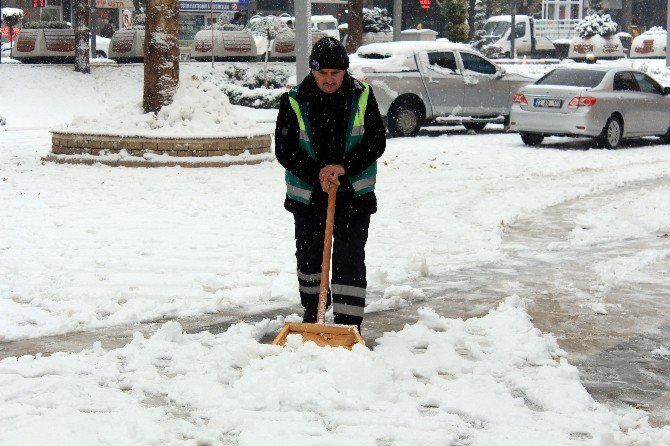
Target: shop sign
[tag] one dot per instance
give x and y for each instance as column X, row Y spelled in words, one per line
column 121, row 4
column 206, row 6
column 5, row 31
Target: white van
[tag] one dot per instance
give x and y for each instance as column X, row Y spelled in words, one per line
column 327, row 24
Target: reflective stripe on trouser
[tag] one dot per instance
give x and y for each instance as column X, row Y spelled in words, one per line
column 348, row 262
column 309, row 285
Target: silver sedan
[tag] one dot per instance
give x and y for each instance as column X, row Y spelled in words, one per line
column 606, row 103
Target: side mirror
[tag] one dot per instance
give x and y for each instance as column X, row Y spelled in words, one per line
column 500, row 72
column 666, row 91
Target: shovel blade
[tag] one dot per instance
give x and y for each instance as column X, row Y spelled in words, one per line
column 321, row 334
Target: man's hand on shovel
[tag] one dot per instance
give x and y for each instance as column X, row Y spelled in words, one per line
column 330, row 174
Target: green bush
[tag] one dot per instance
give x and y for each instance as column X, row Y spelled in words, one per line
column 37, row 24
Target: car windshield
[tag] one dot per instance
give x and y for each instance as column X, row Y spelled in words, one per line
column 496, row 29
column 325, row 26
column 572, row 77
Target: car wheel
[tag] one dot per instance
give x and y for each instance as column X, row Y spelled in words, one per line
column 531, row 139
column 476, row 126
column 404, row 120
column 100, row 55
column 610, row 138
column 666, row 137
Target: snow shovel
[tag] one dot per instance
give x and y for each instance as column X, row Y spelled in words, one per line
column 321, row 334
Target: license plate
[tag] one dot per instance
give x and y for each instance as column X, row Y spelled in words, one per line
column 553, row 103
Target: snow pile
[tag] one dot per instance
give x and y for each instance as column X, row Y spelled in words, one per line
column 439, row 381
column 636, row 214
column 596, row 24
column 199, row 108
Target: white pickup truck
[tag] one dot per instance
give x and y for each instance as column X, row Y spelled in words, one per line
column 533, row 36
column 416, row 82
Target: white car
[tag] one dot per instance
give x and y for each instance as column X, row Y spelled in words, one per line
column 603, row 102
column 101, row 47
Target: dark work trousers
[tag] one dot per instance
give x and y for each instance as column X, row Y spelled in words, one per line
column 348, row 284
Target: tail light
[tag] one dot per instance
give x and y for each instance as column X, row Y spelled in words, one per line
column 519, row 98
column 581, row 101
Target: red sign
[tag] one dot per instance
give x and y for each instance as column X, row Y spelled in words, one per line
column 425, row 4
column 5, row 31
column 39, row 3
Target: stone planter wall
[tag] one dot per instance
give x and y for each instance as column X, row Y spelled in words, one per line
column 70, row 147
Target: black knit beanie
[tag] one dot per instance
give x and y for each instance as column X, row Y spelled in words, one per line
column 328, row 53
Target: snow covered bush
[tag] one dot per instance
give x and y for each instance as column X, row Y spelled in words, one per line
column 37, row 24
column 492, row 51
column 595, row 24
column 268, row 27
column 455, row 12
column 376, row 20
column 223, row 24
column 11, row 16
column 655, row 30
column 479, row 20
column 3, row 121
column 241, row 83
column 138, row 21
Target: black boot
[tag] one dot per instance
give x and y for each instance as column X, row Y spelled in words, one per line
column 345, row 319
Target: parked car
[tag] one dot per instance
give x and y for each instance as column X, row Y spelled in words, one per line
column 415, row 82
column 604, row 102
column 101, row 47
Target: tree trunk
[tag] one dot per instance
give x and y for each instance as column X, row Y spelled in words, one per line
column 355, row 22
column 627, row 15
column 471, row 19
column 81, row 36
column 161, row 54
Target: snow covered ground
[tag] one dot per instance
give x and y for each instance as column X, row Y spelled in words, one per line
column 83, row 247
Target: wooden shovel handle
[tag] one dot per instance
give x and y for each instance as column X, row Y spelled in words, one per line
column 327, row 248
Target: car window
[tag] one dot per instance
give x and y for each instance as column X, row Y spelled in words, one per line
column 647, row 84
column 520, row 30
column 625, row 82
column 443, row 61
column 477, row 64
column 573, row 77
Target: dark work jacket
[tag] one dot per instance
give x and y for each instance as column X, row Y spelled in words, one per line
column 328, row 116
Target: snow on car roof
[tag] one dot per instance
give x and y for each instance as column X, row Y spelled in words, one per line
column 408, row 48
column 393, row 57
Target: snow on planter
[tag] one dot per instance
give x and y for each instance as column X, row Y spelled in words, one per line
column 596, row 35
column 53, row 45
column 650, row 44
column 200, row 122
column 127, row 45
column 228, row 45
column 283, row 46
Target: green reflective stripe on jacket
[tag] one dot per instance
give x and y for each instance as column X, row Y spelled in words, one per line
column 362, row 183
column 297, row 189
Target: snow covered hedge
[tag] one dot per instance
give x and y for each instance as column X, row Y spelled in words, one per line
column 138, row 21
column 595, row 24
column 38, row 24
column 242, row 83
column 11, row 16
column 376, row 20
